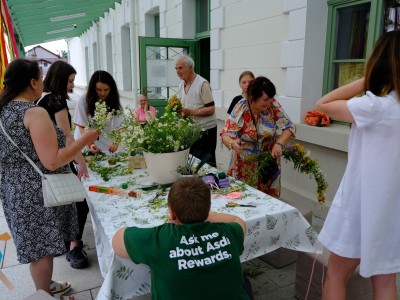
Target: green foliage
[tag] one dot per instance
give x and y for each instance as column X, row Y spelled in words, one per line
column 302, row 163
column 169, row 133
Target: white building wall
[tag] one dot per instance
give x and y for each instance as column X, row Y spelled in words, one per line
column 77, row 60
column 283, row 40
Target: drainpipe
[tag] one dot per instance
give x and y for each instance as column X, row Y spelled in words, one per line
column 134, row 40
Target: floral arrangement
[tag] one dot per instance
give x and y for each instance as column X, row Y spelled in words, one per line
column 169, row 133
column 302, row 162
column 174, row 104
column 101, row 116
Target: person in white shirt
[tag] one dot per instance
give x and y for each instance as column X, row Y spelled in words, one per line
column 102, row 87
column 362, row 226
column 198, row 102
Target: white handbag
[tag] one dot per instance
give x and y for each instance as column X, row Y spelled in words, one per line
column 58, row 189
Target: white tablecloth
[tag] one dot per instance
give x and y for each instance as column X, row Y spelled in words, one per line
column 270, row 225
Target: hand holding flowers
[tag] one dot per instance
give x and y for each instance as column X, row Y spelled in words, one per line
column 302, row 162
column 174, row 104
column 101, row 116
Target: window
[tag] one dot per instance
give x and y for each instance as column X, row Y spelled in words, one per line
column 353, row 28
column 202, row 18
column 157, row 25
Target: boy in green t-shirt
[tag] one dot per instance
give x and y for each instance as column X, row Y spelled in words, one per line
column 193, row 256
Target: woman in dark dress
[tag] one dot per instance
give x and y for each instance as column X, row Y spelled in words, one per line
column 58, row 81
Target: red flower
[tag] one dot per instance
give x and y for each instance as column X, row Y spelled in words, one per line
column 317, row 118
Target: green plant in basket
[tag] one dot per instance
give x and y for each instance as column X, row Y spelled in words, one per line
column 169, row 133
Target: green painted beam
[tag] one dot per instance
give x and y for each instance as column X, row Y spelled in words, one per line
column 31, row 18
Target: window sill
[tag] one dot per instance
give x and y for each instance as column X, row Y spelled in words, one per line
column 335, row 136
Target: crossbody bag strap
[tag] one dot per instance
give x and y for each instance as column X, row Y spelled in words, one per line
column 40, row 99
column 26, row 156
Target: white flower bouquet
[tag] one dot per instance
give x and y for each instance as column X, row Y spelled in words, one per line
column 169, row 133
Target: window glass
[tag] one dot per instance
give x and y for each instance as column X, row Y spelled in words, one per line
column 351, row 43
column 157, row 25
column 352, row 32
column 203, row 12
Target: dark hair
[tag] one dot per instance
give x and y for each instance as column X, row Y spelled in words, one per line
column 382, row 71
column 112, row 101
column 259, row 86
column 57, row 76
column 246, row 73
column 190, row 200
column 17, row 78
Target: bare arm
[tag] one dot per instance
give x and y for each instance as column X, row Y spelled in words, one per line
column 44, row 138
column 92, row 147
column 232, row 143
column 334, row 103
column 63, row 123
column 119, row 244
column 226, row 218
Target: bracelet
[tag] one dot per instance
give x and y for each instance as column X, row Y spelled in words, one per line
column 280, row 144
column 230, row 144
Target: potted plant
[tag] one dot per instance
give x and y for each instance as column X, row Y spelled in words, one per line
column 164, row 141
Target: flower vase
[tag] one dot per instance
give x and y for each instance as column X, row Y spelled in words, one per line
column 162, row 167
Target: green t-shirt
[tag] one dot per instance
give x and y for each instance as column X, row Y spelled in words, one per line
column 190, row 261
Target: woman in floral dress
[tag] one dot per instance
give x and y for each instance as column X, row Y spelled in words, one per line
column 257, row 124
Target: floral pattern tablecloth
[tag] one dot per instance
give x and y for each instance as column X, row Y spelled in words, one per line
column 270, row 225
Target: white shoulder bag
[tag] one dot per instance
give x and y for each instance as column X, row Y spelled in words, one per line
column 58, row 189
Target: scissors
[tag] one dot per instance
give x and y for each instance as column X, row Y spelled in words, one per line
column 159, row 193
column 234, row 204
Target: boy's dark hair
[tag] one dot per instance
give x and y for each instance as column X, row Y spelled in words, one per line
column 190, row 200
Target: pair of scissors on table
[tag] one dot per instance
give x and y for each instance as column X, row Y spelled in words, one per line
column 234, row 204
column 159, row 193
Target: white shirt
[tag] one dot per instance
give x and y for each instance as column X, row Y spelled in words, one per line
column 82, row 118
column 364, row 219
column 193, row 99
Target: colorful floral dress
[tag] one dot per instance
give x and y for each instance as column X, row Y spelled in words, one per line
column 270, row 125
